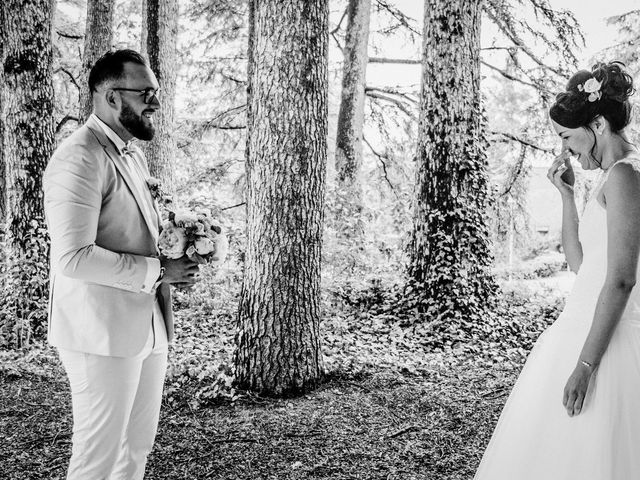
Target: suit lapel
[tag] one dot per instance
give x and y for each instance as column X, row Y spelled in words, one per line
column 141, row 168
column 119, row 162
column 156, row 207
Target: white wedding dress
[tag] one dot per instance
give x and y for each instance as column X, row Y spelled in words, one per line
column 535, row 439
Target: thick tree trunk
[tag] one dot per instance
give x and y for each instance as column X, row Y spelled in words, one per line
column 27, row 98
column 97, row 41
column 449, row 251
column 162, row 35
column 3, row 190
column 278, row 340
column 351, row 115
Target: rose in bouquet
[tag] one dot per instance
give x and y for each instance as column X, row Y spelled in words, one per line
column 194, row 235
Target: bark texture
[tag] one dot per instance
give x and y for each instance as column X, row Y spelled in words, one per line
column 98, row 40
column 27, row 99
column 144, row 33
column 3, row 191
column 162, row 35
column 449, row 248
column 278, row 340
column 351, row 114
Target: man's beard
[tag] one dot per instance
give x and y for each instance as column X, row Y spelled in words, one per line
column 135, row 124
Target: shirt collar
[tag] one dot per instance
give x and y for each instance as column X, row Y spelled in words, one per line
column 120, row 144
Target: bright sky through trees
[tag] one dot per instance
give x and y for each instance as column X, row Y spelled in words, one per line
column 591, row 14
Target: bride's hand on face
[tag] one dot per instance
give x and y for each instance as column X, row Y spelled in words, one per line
column 561, row 173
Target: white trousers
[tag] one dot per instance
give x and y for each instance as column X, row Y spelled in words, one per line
column 116, row 405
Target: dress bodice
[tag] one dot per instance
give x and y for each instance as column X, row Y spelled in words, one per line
column 592, row 232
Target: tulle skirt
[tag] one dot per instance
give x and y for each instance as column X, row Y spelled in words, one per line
column 535, row 439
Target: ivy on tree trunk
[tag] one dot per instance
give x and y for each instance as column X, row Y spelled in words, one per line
column 278, row 339
column 27, row 99
column 449, row 251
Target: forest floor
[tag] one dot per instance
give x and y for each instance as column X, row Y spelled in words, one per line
column 387, row 409
column 382, row 425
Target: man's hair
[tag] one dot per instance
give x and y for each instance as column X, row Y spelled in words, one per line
column 110, row 66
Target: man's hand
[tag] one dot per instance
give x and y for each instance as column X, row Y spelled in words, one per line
column 180, row 273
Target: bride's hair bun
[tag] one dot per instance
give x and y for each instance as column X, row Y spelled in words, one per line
column 605, row 90
column 617, row 84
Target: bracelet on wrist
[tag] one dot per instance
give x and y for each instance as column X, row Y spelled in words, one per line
column 589, row 365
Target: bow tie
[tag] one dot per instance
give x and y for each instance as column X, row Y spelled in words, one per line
column 127, row 150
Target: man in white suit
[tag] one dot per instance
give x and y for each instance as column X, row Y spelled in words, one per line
column 110, row 307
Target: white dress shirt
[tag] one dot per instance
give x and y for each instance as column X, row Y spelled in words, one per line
column 153, row 264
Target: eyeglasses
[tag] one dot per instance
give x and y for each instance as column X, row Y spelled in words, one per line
column 149, row 93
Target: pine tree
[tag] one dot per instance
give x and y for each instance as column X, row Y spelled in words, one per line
column 161, row 35
column 27, row 100
column 449, row 251
column 278, row 339
column 98, row 40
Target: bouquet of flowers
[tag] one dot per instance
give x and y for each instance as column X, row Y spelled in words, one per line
column 193, row 235
column 187, row 233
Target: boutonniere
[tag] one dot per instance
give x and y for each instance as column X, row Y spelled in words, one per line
column 158, row 193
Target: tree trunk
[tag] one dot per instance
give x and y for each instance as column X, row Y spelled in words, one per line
column 351, row 115
column 162, row 34
column 449, row 251
column 27, row 98
column 278, row 339
column 97, row 41
column 3, row 191
column 347, row 217
column 144, row 33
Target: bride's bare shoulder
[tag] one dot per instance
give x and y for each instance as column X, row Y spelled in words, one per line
column 624, row 178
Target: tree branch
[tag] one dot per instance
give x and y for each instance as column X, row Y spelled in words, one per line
column 512, row 35
column 66, row 119
column 511, row 77
column 213, row 123
column 337, row 29
column 69, row 74
column 391, row 91
column 522, row 141
column 510, row 48
column 398, row 15
column 408, row 61
column 232, row 206
column 382, row 158
column 516, row 171
column 395, row 101
column 334, row 32
column 69, row 35
column 226, row 127
column 233, row 79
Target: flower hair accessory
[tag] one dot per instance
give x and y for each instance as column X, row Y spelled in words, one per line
column 592, row 87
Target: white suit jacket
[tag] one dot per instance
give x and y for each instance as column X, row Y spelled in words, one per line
column 100, row 239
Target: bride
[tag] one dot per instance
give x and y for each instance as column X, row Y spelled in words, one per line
column 574, row 413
